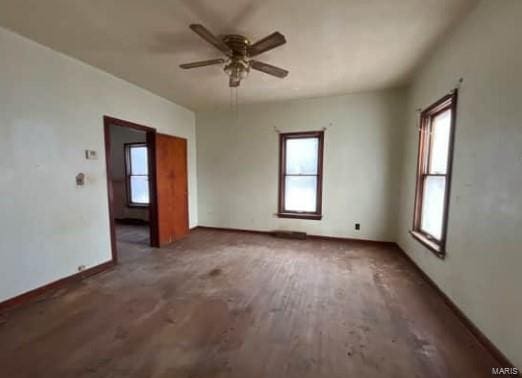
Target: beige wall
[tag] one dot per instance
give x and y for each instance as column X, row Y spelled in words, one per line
column 481, row 273
column 51, row 110
column 119, row 137
column 238, row 164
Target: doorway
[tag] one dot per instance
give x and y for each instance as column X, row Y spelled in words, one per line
column 147, row 179
column 131, row 180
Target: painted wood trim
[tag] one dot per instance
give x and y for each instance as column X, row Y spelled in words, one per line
column 150, row 134
column 448, row 101
column 28, row 296
column 281, row 212
column 308, row 236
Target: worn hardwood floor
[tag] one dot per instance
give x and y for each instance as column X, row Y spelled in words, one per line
column 228, row 304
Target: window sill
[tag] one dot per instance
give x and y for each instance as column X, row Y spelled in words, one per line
column 432, row 246
column 138, row 205
column 300, row 216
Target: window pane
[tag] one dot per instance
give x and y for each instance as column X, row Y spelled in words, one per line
column 139, row 163
column 301, row 155
column 433, row 205
column 300, row 193
column 440, row 134
column 139, row 189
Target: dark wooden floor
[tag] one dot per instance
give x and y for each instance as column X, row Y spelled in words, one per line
column 133, row 242
column 226, row 304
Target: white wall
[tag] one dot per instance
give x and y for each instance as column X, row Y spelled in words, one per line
column 482, row 271
column 51, row 110
column 238, row 164
column 119, row 137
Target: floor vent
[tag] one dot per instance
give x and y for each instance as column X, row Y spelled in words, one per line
column 289, row 234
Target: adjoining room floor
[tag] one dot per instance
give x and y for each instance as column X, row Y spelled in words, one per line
column 133, row 241
column 229, row 304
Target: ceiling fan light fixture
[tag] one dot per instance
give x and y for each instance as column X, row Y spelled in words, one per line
column 237, row 68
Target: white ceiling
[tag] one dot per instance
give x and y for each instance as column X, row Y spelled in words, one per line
column 333, row 46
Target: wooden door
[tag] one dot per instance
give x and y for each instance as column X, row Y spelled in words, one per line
column 172, row 188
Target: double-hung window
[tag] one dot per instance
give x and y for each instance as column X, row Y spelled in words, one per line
column 436, row 134
column 300, row 175
column 137, row 174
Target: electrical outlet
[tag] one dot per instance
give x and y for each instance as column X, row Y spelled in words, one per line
column 357, row 226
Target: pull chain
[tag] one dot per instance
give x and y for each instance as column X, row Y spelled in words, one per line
column 231, row 99
column 236, row 105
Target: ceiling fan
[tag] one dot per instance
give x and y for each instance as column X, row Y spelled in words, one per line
column 238, row 52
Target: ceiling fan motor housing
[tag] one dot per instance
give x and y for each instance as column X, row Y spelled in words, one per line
column 237, row 43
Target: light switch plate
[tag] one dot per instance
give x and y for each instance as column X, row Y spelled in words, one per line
column 91, row 155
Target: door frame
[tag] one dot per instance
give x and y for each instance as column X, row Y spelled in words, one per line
column 153, row 205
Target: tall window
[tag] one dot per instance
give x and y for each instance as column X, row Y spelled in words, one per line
column 437, row 127
column 300, row 175
column 137, row 172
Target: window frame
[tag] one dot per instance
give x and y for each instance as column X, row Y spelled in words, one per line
column 128, row 173
column 282, row 213
column 448, row 102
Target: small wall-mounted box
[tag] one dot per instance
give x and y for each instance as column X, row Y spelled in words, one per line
column 80, row 179
column 91, row 155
